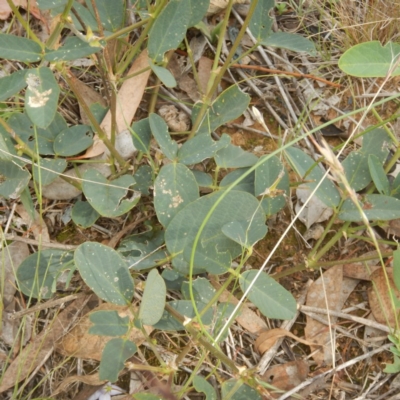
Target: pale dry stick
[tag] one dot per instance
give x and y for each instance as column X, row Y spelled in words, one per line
column 280, row 240
column 34, row 242
column 334, row 370
column 42, row 306
column 267, row 357
column 359, row 320
column 10, row 217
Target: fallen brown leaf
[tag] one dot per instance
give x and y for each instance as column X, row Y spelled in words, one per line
column 268, row 338
column 5, row 9
column 80, row 343
column 379, row 299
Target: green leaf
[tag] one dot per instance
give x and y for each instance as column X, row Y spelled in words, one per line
column 174, row 188
column 272, row 299
column 144, row 179
column 109, row 198
column 50, row 4
column 243, row 233
column 115, row 353
column 234, row 157
column 290, row 41
column 169, row 28
column 200, row 147
column 393, row 368
column 377, row 142
column 229, row 105
column 43, row 139
column 378, row 175
column 19, row 49
column 146, row 396
column 371, row 60
column 203, row 291
column 49, row 170
column 198, row 10
column 163, row 75
column 160, row 131
column 213, row 244
column 261, row 23
column 141, row 135
column 153, row 300
column 143, row 250
column 12, row 84
column 7, row 149
column 272, row 181
column 83, row 214
column 184, row 307
column 356, row 169
column 375, row 206
column 202, row 178
column 202, row 386
column 305, row 166
column 37, row 273
column 73, row 140
column 111, row 13
column 41, row 96
column 72, row 49
column 105, row 272
column 108, row 323
column 245, row 185
column 244, row 392
column 13, row 179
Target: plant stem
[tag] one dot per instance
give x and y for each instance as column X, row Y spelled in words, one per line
column 53, row 39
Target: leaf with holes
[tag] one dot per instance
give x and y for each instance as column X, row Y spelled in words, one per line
column 109, row 198
column 37, row 139
column 105, row 272
column 174, row 188
column 73, row 140
column 272, row 299
column 261, row 23
column 41, row 96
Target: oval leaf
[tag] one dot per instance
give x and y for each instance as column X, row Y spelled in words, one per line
column 234, row 157
column 19, row 49
column 108, row 323
column 73, row 140
column 153, row 300
column 159, row 128
column 41, row 96
column 115, row 353
column 12, row 84
column 272, row 299
column 375, row 206
column 37, row 273
column 49, row 170
column 371, row 60
column 261, row 23
column 174, row 188
column 108, row 197
column 13, row 179
column 105, row 272
column 83, row 214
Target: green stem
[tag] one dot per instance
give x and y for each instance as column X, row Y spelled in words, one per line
column 53, row 39
column 24, row 23
column 126, row 30
column 218, row 72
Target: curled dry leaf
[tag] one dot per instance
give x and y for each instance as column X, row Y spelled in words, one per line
column 80, row 343
column 286, row 376
column 36, row 226
column 268, row 338
column 379, row 297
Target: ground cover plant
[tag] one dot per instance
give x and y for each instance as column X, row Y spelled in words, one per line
column 189, row 187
